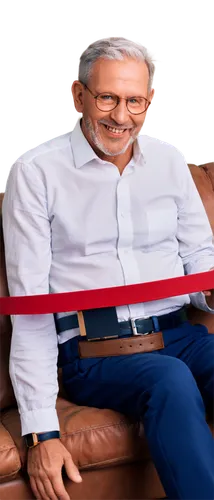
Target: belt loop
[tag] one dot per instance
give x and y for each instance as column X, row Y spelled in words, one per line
column 81, row 324
column 156, row 323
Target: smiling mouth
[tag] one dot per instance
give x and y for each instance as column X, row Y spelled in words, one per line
column 114, row 130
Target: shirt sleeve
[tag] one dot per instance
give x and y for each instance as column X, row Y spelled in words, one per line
column 27, row 240
column 194, row 233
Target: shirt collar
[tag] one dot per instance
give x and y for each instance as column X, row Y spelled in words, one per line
column 83, row 152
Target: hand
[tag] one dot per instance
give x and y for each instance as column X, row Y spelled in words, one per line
column 209, row 294
column 45, row 462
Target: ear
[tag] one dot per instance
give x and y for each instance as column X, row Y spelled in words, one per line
column 151, row 95
column 77, row 91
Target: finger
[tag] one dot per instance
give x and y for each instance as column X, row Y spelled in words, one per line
column 35, row 489
column 49, row 489
column 72, row 470
column 207, row 292
column 41, row 489
column 59, row 488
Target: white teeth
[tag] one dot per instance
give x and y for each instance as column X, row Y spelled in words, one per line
column 115, row 130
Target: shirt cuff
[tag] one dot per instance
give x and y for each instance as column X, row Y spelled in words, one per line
column 42, row 420
column 198, row 300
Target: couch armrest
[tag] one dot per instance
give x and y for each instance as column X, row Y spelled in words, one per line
column 10, row 462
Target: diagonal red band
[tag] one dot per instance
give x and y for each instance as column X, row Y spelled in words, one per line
column 107, row 297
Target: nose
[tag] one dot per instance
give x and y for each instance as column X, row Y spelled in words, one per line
column 120, row 114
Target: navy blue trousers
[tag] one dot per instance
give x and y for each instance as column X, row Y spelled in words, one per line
column 169, row 390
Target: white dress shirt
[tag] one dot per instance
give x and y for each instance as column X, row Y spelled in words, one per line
column 72, row 222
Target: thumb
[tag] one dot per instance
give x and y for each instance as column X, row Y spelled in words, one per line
column 72, row 470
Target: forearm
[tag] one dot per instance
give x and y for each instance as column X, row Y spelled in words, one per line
column 33, row 371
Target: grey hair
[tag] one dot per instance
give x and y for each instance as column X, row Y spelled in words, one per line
column 114, row 48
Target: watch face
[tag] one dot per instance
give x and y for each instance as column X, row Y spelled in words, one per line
column 29, row 440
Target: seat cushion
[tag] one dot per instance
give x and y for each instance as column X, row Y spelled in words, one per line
column 94, row 437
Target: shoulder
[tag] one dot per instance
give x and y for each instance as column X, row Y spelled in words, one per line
column 41, row 162
column 152, row 146
column 46, row 150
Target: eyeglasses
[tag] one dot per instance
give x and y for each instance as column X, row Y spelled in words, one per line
column 107, row 102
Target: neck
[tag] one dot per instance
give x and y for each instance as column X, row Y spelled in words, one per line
column 120, row 161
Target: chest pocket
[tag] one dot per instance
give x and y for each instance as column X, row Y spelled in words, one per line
column 162, row 224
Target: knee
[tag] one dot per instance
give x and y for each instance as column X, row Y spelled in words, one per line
column 177, row 379
column 174, row 390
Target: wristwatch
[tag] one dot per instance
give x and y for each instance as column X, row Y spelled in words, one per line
column 33, row 439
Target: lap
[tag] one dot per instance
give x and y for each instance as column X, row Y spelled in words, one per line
column 195, row 348
column 116, row 382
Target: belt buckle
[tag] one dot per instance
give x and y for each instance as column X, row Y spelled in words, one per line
column 134, row 328
column 83, row 332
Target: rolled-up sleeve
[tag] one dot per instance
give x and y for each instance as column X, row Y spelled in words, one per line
column 27, row 240
column 194, row 234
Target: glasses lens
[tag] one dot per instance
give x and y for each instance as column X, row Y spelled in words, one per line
column 106, row 102
column 137, row 105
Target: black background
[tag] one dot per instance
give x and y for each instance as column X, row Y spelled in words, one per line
column 36, row 91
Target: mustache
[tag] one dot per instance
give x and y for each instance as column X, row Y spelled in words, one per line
column 115, row 125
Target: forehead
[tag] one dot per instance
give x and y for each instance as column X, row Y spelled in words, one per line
column 127, row 76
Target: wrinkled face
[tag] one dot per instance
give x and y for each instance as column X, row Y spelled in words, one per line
column 112, row 132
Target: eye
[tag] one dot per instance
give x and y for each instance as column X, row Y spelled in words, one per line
column 106, row 97
column 135, row 100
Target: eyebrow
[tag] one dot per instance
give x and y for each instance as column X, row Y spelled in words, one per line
column 113, row 93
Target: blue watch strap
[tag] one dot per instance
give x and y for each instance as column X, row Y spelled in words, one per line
column 33, row 439
column 48, row 435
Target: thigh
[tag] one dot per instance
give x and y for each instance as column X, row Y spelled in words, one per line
column 199, row 357
column 196, row 350
column 122, row 383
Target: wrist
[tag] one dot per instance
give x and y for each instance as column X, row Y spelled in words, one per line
column 34, row 438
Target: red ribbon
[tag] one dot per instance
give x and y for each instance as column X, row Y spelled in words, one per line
column 107, row 297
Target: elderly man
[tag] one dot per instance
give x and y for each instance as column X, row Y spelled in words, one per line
column 102, row 207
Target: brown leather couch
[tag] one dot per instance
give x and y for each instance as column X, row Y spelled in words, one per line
column 109, row 449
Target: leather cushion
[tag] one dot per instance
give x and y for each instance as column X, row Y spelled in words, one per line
column 10, row 462
column 95, row 438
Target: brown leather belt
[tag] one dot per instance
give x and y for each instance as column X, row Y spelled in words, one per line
column 121, row 346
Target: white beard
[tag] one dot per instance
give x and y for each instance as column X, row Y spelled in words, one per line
column 99, row 144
